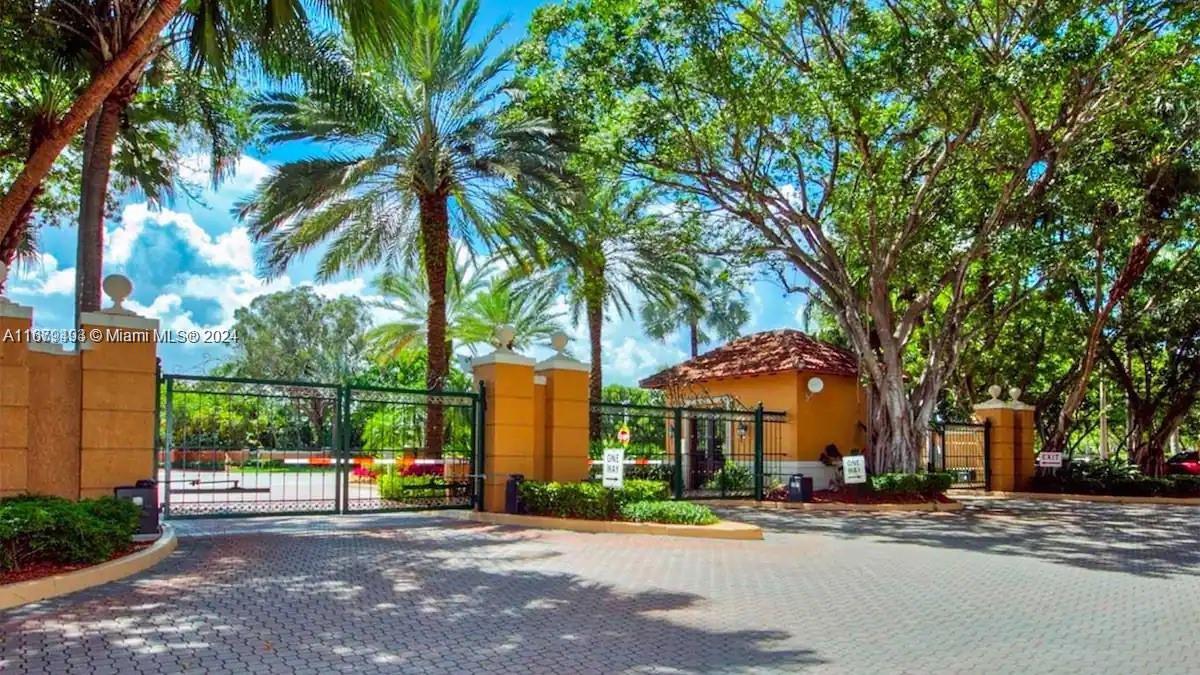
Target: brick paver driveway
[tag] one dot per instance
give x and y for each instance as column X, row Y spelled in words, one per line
column 1002, row 587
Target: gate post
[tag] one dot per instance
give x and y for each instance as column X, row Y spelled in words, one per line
column 1008, row 440
column 758, row 452
column 567, row 409
column 507, row 390
column 119, row 384
column 15, row 323
column 677, row 473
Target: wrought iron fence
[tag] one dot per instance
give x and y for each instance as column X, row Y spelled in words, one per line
column 703, row 453
column 239, row 446
column 962, row 449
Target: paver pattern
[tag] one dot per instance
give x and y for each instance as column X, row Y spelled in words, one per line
column 1020, row 587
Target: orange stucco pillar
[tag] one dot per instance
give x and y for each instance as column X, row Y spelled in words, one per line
column 508, row 424
column 15, row 322
column 1012, row 459
column 566, row 417
column 119, row 387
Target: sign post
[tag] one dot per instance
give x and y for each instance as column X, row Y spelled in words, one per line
column 623, row 435
column 1050, row 460
column 854, row 469
column 614, row 468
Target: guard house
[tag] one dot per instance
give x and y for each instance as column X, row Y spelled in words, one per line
column 813, row 382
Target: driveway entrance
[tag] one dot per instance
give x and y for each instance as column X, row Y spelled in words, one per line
column 1001, row 587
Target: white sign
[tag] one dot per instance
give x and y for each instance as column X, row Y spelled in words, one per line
column 854, row 469
column 614, row 467
column 1050, row 460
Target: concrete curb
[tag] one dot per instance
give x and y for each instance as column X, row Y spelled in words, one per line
column 1103, row 499
column 721, row 530
column 34, row 590
column 833, row 506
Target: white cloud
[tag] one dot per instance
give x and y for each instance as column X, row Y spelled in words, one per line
column 43, row 277
column 337, row 289
column 232, row 249
column 160, row 308
column 246, row 175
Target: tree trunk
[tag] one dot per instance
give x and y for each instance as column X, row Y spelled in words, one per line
column 435, row 239
column 897, row 428
column 93, row 191
column 1140, row 257
column 694, row 337
column 37, row 167
column 595, row 321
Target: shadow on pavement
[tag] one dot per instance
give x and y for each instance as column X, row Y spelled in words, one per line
column 436, row 594
column 1154, row 541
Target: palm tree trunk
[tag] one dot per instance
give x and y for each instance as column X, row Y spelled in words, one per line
column 694, row 337
column 595, row 321
column 37, row 167
column 98, row 155
column 435, row 239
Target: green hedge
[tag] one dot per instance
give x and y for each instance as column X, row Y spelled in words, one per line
column 928, row 484
column 398, row 487
column 591, row 501
column 1131, row 485
column 676, row 513
column 36, row 529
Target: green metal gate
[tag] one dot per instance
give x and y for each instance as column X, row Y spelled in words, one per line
column 230, row 446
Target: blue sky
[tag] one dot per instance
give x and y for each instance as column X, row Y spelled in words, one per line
column 192, row 265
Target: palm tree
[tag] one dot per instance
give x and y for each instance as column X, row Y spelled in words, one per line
column 30, row 107
column 476, row 304
column 595, row 246
column 216, row 32
column 529, row 310
column 406, row 295
column 409, row 142
column 714, row 306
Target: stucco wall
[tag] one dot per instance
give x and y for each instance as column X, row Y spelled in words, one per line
column 813, row 421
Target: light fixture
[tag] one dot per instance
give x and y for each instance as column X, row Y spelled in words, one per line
column 815, row 385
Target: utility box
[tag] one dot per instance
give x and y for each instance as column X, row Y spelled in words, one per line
column 800, row 488
column 145, row 494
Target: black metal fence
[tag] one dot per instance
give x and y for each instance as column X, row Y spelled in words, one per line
column 704, row 453
column 240, row 446
column 962, row 449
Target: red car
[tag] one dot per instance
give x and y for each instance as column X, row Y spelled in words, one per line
column 1185, row 462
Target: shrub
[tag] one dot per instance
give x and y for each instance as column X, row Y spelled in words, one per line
column 1114, row 477
column 36, row 529
column 1186, row 486
column 640, row 491
column 399, row 487
column 928, row 484
column 592, row 501
column 732, row 477
column 682, row 513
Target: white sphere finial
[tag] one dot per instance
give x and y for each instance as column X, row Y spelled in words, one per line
column 994, row 392
column 117, row 287
column 559, row 342
column 1015, row 394
column 505, row 336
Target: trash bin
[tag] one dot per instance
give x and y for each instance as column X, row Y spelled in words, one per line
column 799, row 488
column 144, row 493
column 512, row 494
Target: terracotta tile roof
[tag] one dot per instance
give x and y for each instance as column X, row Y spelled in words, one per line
column 772, row 351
